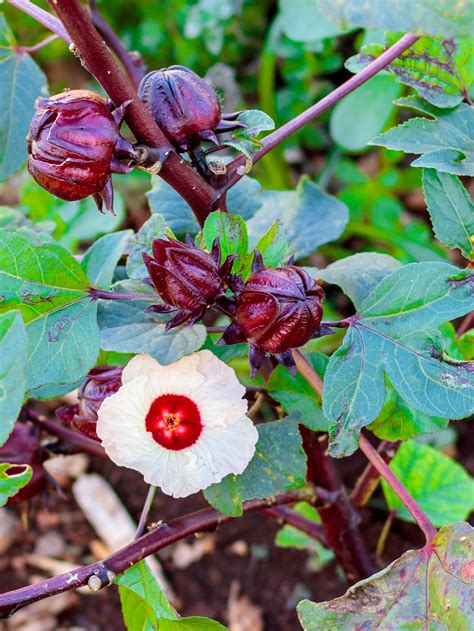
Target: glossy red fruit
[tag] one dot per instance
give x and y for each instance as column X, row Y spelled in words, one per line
column 187, row 279
column 276, row 310
column 23, row 448
column 100, row 383
column 185, row 106
column 71, row 144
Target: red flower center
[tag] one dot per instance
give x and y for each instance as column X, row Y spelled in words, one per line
column 174, row 421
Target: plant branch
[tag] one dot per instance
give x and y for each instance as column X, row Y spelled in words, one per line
column 285, row 515
column 282, row 133
column 339, row 518
column 397, row 487
column 36, row 47
column 466, row 324
column 43, row 17
column 134, row 67
column 207, row 519
column 78, row 443
column 308, row 372
column 145, row 512
column 370, row 477
column 98, row 59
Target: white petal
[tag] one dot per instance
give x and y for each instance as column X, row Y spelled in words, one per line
column 138, row 366
column 220, row 451
column 121, row 423
column 167, row 470
column 219, row 398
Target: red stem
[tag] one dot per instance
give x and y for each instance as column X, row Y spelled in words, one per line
column 207, row 519
column 134, row 70
column 370, row 477
column 43, row 17
column 338, row 517
column 98, row 59
column 285, row 515
column 74, row 440
column 397, row 487
column 281, row 134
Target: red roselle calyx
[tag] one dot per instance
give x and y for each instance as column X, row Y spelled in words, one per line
column 275, row 310
column 185, row 107
column 73, row 146
column 100, row 383
column 187, row 279
column 23, row 448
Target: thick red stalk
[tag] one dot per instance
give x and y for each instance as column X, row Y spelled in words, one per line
column 203, row 520
column 99, row 61
column 338, row 517
column 282, row 133
column 370, row 477
column 397, row 487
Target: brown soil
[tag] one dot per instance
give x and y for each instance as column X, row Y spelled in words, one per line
column 274, row 579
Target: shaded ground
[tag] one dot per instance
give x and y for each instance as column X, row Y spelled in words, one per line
column 274, row 579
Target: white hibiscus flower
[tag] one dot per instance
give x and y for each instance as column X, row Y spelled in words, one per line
column 183, row 426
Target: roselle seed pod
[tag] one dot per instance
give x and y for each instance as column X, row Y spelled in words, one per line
column 185, row 107
column 100, row 383
column 276, row 310
column 23, row 448
column 187, row 279
column 71, row 144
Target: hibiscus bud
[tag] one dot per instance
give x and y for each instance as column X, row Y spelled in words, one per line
column 185, row 107
column 100, row 383
column 276, row 310
column 183, row 104
column 71, row 144
column 187, row 279
column 23, row 448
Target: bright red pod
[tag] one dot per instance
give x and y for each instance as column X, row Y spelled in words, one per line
column 187, row 279
column 71, row 144
column 184, row 105
column 100, row 383
column 276, row 310
column 23, row 448
column 280, row 308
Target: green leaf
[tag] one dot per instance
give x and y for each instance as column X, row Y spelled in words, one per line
column 101, row 258
column 357, row 275
column 441, row 70
column 442, row 17
column 279, row 465
column 11, row 483
column 272, row 246
column 231, row 231
column 310, row 216
column 21, row 82
column 296, row 395
column 143, row 601
column 194, row 623
column 141, row 242
column 391, row 335
column 371, row 105
column 290, row 537
column 447, row 142
column 12, row 370
column 303, row 21
column 442, row 487
column 245, row 139
column 49, row 287
column 429, row 588
column 146, row 608
column 451, row 210
column 126, row 327
column 243, row 199
column 16, row 221
column 399, row 421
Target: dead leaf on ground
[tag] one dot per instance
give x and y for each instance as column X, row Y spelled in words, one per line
column 242, row 614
